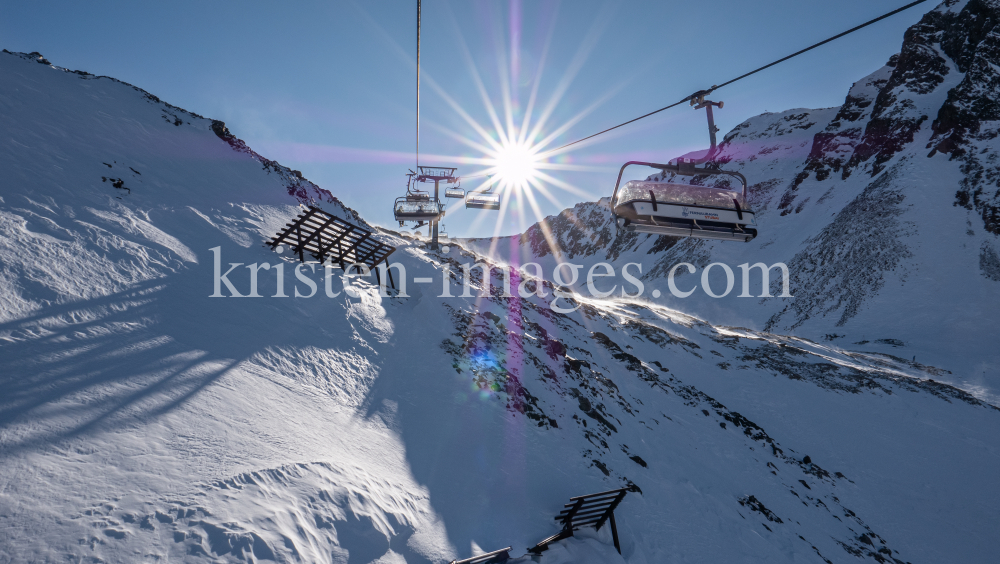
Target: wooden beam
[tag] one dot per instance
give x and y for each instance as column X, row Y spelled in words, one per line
column 611, row 509
column 369, row 255
column 544, row 545
column 600, row 494
column 319, row 230
column 298, row 236
column 591, row 510
column 325, row 235
column 336, row 241
column 568, row 518
column 496, row 556
column 298, row 222
column 614, row 533
column 354, row 247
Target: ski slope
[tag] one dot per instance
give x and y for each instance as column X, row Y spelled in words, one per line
column 142, row 420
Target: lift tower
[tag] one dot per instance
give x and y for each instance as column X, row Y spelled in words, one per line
column 438, row 174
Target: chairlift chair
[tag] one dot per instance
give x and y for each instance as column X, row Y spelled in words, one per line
column 685, row 210
column 455, row 191
column 416, row 205
column 412, row 194
column 483, row 199
column 405, row 209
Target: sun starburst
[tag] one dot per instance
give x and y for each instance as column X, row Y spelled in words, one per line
column 516, row 164
column 515, row 140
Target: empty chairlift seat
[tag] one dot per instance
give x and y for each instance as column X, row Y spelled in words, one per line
column 482, row 201
column 685, row 210
column 454, row 192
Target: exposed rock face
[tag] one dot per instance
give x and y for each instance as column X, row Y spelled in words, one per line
column 833, row 147
column 865, row 230
column 966, row 125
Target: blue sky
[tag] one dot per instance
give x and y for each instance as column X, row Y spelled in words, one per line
column 328, row 87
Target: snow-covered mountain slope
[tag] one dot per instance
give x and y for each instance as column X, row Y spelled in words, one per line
column 884, row 210
column 143, row 420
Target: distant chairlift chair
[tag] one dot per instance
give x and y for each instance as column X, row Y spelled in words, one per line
column 421, row 211
column 483, row 199
column 685, row 210
column 455, row 191
column 416, row 205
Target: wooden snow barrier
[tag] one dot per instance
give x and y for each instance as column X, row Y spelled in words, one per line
column 591, row 510
column 326, row 236
column 501, row 555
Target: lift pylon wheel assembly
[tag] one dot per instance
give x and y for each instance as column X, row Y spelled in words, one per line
column 436, row 174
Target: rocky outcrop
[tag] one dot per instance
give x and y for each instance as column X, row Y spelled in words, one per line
column 967, row 123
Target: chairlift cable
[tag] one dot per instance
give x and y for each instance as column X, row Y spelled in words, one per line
column 716, row 87
column 418, row 84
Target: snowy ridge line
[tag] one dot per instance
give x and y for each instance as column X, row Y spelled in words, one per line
column 297, row 186
column 37, row 57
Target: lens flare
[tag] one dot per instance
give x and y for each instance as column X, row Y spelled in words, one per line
column 516, row 164
column 514, row 144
